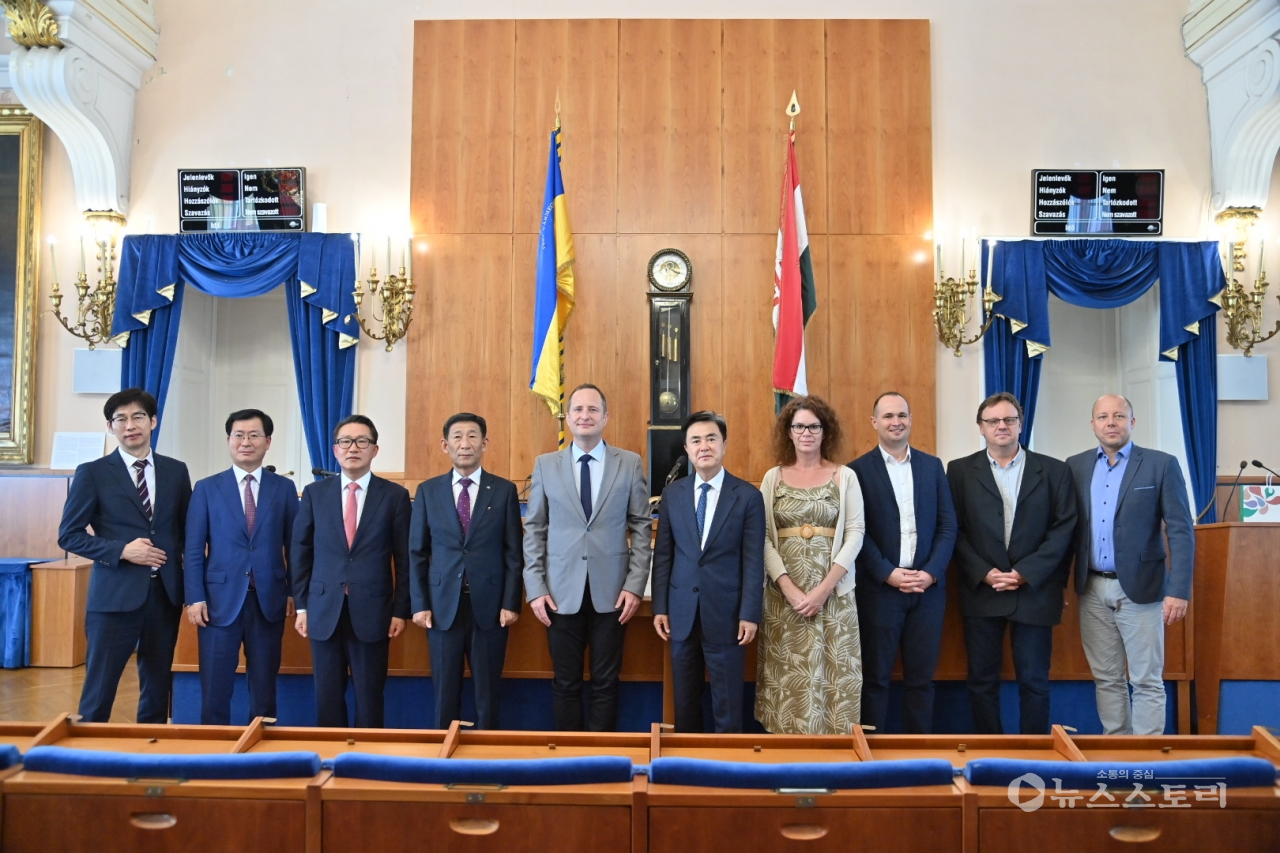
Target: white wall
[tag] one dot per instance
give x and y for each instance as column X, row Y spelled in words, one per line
column 1016, row 85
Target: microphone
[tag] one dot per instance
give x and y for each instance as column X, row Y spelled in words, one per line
column 1257, row 464
column 523, row 496
column 320, row 472
column 1232, row 491
column 270, row 468
column 675, row 471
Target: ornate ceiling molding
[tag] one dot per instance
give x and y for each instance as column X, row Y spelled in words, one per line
column 84, row 87
column 1236, row 43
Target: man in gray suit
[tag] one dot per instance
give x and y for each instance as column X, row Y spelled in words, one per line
column 1127, row 595
column 583, row 579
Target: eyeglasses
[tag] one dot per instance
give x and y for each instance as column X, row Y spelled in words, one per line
column 135, row 418
column 363, row 442
column 994, row 422
column 801, row 429
column 238, row 437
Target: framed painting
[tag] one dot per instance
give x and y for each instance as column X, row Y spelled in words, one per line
column 21, row 148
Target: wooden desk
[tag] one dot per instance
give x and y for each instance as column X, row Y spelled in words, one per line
column 1248, row 823
column 52, row 811
column 692, row 818
column 390, row 817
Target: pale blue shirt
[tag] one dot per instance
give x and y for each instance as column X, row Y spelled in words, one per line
column 1009, row 482
column 1104, row 493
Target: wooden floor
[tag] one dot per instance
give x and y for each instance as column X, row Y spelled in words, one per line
column 38, row 694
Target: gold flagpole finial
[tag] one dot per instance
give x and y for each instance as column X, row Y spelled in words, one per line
column 793, row 109
column 557, row 108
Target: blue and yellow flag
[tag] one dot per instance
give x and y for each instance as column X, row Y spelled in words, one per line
column 554, row 290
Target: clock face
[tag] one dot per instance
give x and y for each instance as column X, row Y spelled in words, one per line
column 670, row 270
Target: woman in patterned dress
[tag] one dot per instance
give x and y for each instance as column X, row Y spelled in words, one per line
column 809, row 672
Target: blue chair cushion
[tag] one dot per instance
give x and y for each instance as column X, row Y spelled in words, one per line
column 1242, row 772
column 582, row 770
column 127, row 765
column 9, row 756
column 837, row 775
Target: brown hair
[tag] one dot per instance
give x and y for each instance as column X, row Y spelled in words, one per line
column 1001, row 397
column 784, row 451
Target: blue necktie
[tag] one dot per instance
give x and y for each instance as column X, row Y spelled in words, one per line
column 586, row 486
column 702, row 509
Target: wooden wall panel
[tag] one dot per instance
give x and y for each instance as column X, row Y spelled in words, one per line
column 669, row 107
column 764, row 61
column 532, row 428
column 580, row 59
column 32, row 507
column 883, row 290
column 748, row 351
column 454, row 353
column 460, row 172
column 879, row 120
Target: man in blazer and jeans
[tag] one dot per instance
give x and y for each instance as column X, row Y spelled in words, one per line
column 902, row 567
column 135, row 500
column 350, row 563
column 1128, row 591
column 708, row 577
column 1016, row 517
column 465, row 569
column 584, row 579
column 238, row 594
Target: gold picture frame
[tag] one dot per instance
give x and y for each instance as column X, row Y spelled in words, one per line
column 21, row 159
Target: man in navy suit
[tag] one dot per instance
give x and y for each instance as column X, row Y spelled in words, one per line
column 350, row 566
column 239, row 593
column 136, row 502
column 465, row 565
column 708, row 577
column 902, row 567
column 1125, row 494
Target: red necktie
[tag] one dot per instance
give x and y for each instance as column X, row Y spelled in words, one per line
column 349, row 517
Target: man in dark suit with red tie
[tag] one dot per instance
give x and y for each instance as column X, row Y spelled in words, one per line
column 466, row 563
column 708, row 577
column 350, row 565
column 238, row 593
column 135, row 501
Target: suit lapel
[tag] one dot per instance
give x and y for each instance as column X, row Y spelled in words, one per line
column 1031, row 478
column 126, row 481
column 724, row 505
column 609, row 472
column 266, row 498
column 1130, row 471
column 982, row 472
column 570, row 486
column 230, row 492
column 371, row 502
column 480, row 506
column 443, row 492
column 885, row 484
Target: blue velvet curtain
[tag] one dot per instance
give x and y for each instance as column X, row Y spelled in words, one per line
column 317, row 270
column 1095, row 273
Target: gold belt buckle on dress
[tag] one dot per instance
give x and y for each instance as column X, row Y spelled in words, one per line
column 807, row 531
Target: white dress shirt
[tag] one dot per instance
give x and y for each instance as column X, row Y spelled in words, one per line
column 148, row 473
column 1009, row 482
column 597, row 470
column 904, row 492
column 361, row 493
column 473, row 490
column 713, row 499
column 255, row 485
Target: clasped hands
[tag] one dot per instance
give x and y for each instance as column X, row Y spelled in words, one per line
column 1004, row 581
column 910, row 580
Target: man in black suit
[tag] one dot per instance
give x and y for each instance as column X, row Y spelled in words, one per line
column 708, row 577
column 466, row 562
column 902, row 567
column 350, row 565
column 1017, row 515
column 135, row 501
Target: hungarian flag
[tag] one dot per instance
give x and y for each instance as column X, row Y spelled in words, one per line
column 794, row 296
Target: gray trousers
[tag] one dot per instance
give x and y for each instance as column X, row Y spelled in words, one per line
column 1124, row 643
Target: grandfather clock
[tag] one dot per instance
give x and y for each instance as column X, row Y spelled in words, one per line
column 670, row 298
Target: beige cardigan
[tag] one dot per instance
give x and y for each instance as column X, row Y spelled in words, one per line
column 849, row 527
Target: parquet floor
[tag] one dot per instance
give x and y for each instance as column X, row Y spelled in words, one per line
column 40, row 694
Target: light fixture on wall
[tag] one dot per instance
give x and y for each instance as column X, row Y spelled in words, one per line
column 1241, row 308
column 395, row 295
column 951, row 301
column 94, row 306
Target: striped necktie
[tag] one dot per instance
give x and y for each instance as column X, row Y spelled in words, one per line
column 143, row 493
